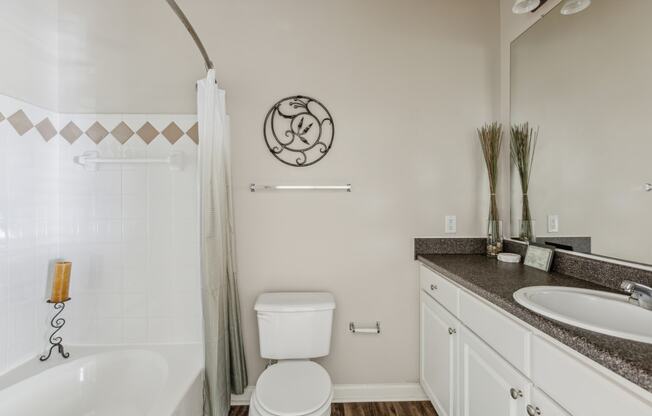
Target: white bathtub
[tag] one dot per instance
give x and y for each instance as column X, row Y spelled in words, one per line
column 108, row 381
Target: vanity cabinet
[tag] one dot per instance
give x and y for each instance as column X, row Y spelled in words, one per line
column 477, row 360
column 438, row 355
column 488, row 385
column 541, row 404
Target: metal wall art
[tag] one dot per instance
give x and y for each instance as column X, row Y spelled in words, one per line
column 299, row 131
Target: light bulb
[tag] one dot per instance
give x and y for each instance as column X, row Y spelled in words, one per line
column 574, row 6
column 525, row 6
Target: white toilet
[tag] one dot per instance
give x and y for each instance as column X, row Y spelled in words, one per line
column 293, row 328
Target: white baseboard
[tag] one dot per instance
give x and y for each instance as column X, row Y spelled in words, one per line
column 359, row 393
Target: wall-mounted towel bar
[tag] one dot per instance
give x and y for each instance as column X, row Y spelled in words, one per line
column 253, row 187
column 364, row 330
column 89, row 160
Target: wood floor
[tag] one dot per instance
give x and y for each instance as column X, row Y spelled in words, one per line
column 367, row 409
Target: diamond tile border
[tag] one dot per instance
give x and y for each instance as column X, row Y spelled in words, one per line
column 97, row 132
column 122, row 132
column 71, row 132
column 20, row 122
column 172, row 132
column 147, row 132
column 46, row 129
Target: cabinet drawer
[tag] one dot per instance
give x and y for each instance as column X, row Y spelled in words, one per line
column 439, row 288
column 578, row 387
column 504, row 335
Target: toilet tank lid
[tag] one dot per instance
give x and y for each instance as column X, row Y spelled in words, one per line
column 294, row 302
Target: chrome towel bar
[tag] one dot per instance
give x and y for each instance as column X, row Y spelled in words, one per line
column 253, row 187
column 89, row 160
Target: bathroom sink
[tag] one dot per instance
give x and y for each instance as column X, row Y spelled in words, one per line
column 603, row 312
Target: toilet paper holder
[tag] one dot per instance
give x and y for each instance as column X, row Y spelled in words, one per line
column 364, row 330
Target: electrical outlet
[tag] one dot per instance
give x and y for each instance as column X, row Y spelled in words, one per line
column 553, row 223
column 451, row 224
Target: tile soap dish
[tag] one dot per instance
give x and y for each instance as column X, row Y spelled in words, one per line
column 509, row 258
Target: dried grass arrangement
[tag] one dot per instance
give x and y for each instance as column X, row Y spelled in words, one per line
column 523, row 145
column 491, row 139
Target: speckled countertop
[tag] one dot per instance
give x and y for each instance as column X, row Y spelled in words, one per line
column 496, row 282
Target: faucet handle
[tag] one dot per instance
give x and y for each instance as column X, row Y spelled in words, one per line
column 628, row 286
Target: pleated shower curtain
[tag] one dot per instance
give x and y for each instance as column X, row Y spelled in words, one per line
column 226, row 371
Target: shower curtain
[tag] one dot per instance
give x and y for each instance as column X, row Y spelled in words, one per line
column 226, row 372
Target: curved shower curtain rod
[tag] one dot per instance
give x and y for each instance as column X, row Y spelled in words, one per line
column 177, row 10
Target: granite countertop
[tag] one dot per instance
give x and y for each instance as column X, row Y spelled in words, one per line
column 496, row 282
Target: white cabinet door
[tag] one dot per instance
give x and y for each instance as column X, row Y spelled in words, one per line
column 488, row 385
column 542, row 405
column 438, row 355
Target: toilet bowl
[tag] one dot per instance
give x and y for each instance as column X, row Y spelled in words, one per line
column 292, row 388
column 293, row 328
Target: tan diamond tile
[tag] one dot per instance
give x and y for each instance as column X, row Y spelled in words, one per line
column 71, row 132
column 147, row 132
column 172, row 132
column 122, row 132
column 193, row 133
column 20, row 122
column 46, row 129
column 2, row 117
column 97, row 132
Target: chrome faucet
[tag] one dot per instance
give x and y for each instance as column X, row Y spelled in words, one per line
column 640, row 295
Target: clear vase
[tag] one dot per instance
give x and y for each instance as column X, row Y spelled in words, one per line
column 526, row 231
column 494, row 238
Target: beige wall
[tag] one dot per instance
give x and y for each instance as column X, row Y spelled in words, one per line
column 585, row 80
column 407, row 83
column 28, row 68
column 124, row 56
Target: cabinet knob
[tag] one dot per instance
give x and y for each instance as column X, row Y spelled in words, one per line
column 533, row 411
column 433, row 287
column 515, row 393
column 452, row 331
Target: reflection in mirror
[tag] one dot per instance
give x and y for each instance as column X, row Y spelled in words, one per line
column 586, row 81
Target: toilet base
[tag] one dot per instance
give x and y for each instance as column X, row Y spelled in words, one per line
column 255, row 410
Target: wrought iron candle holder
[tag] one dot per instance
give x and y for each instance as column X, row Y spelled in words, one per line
column 57, row 323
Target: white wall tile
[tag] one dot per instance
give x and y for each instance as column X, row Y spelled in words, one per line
column 129, row 230
column 134, row 330
column 109, row 305
column 148, row 213
column 134, row 305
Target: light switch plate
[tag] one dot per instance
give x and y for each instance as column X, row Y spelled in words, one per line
column 553, row 223
column 451, row 224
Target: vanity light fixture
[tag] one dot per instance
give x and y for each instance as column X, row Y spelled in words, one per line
column 525, row 6
column 574, row 6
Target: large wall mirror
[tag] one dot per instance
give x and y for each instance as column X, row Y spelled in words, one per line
column 586, row 82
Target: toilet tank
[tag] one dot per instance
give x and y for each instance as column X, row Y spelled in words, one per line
column 294, row 325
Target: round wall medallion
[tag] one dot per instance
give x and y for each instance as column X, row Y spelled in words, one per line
column 299, row 131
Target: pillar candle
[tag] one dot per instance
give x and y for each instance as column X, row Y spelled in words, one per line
column 61, row 281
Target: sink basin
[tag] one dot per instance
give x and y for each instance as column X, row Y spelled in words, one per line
column 603, row 312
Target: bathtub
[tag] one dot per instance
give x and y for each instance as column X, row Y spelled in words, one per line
column 153, row 380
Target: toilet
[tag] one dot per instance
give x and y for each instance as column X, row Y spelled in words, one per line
column 293, row 329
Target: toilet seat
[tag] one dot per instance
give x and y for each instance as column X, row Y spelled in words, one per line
column 293, row 388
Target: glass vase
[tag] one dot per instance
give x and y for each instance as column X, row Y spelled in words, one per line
column 494, row 238
column 526, row 231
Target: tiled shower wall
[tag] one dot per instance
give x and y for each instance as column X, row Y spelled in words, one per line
column 29, row 215
column 130, row 229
